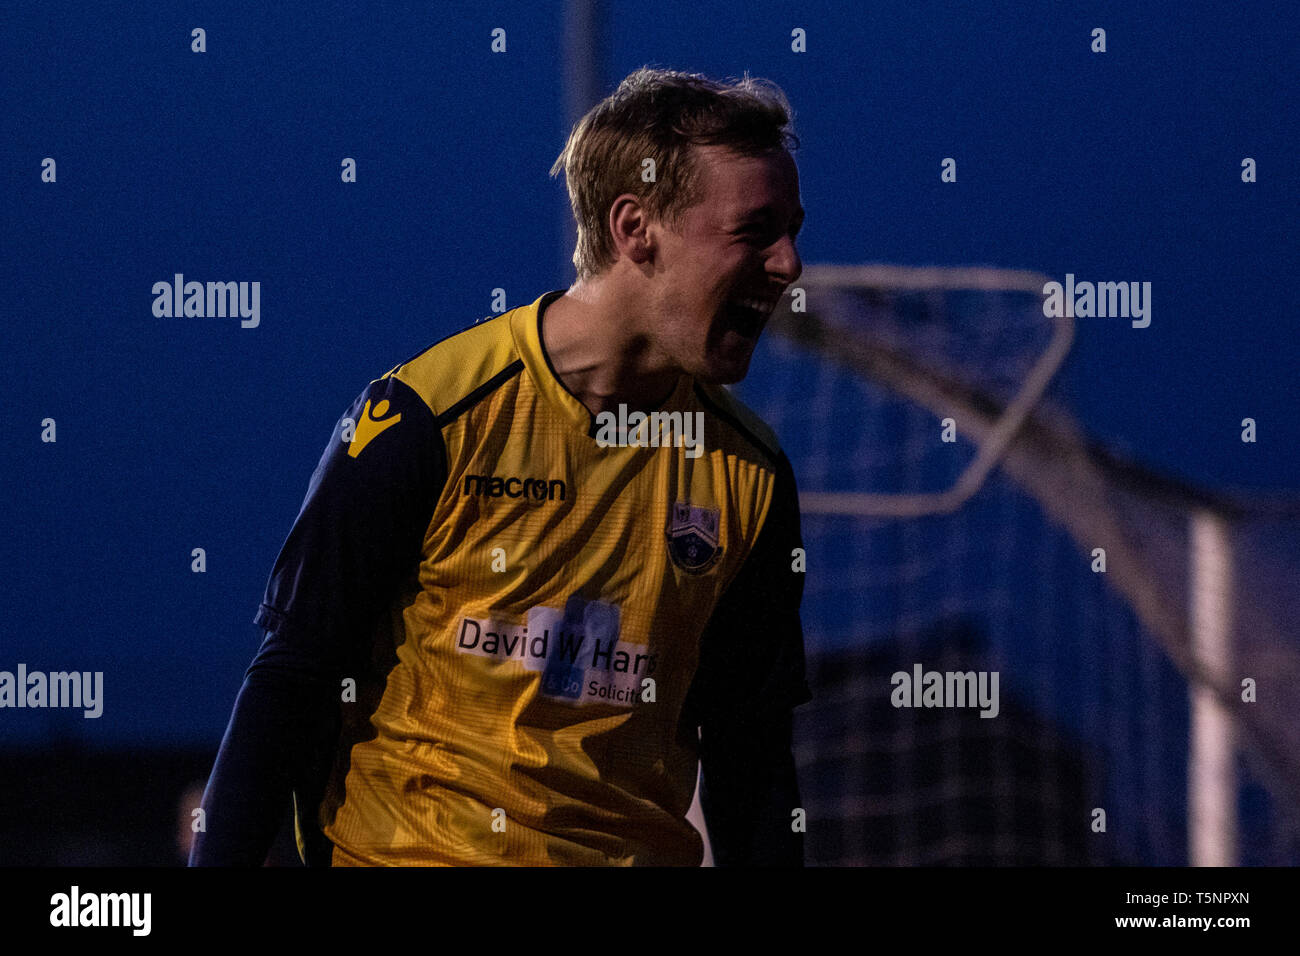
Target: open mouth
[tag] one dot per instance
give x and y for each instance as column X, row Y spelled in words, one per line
column 748, row 315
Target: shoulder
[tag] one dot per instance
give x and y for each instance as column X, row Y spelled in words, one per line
column 457, row 369
column 740, row 423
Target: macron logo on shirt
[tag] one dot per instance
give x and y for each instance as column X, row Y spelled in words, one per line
column 532, row 489
column 370, row 426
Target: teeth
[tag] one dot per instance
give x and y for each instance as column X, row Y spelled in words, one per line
column 758, row 305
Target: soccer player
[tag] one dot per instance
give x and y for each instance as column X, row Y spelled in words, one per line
column 516, row 614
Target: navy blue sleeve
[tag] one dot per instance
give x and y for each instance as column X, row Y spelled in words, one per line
column 750, row 677
column 358, row 535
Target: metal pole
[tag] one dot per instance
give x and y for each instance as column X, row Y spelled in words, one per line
column 583, row 58
column 1211, row 765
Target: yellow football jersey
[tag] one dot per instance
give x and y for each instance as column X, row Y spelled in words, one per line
column 529, row 623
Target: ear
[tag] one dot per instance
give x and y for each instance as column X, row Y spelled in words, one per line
column 629, row 229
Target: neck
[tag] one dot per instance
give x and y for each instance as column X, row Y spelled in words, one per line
column 596, row 345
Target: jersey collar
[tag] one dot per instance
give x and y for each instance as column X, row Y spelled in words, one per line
column 526, row 327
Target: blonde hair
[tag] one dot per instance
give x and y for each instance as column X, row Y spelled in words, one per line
column 661, row 115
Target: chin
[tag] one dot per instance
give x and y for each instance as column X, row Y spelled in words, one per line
column 725, row 373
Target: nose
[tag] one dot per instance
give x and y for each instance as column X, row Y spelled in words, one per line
column 784, row 262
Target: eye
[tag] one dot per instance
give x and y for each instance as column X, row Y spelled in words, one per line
column 766, row 233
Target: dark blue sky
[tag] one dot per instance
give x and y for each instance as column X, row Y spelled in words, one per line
column 181, row 433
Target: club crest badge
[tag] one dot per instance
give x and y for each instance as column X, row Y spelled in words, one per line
column 693, row 537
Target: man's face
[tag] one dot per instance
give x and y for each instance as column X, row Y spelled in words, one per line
column 720, row 274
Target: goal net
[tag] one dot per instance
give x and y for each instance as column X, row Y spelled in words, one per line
column 958, row 521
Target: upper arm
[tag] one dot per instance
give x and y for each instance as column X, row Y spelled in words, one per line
column 360, row 529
